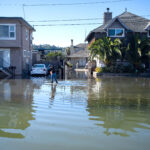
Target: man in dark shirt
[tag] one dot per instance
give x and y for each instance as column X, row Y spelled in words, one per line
column 53, row 74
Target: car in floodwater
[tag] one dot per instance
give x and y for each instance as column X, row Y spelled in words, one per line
column 38, row 69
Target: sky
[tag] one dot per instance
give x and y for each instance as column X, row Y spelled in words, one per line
column 60, row 34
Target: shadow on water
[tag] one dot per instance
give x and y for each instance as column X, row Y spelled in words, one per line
column 120, row 105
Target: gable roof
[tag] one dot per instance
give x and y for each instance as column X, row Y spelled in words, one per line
column 80, row 54
column 20, row 19
column 128, row 20
column 134, row 22
column 116, row 19
column 81, row 46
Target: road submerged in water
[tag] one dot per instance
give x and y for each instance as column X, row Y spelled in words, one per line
column 103, row 114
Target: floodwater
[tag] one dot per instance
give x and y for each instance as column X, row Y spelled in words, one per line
column 111, row 113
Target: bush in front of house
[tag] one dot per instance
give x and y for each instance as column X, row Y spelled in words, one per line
column 118, row 69
column 98, row 69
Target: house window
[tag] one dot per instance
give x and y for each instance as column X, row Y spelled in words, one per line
column 27, row 34
column 7, row 32
column 31, row 36
column 24, row 53
column 116, row 32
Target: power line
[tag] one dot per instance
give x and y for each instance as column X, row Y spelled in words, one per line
column 73, row 4
column 87, row 19
column 80, row 19
column 78, row 24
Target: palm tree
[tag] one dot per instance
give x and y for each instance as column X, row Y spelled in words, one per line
column 138, row 51
column 107, row 50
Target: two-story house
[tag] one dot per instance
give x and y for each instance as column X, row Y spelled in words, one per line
column 15, row 44
column 121, row 26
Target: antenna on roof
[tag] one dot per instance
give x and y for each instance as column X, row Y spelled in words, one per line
column 107, row 9
column 126, row 9
column 23, row 11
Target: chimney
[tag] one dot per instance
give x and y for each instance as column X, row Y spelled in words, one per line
column 71, row 42
column 71, row 47
column 107, row 16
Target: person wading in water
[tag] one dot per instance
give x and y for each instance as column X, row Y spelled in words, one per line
column 53, row 74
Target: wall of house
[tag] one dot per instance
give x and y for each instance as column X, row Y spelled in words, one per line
column 26, row 49
column 78, row 62
column 100, row 35
column 116, row 24
column 12, row 43
column 16, row 60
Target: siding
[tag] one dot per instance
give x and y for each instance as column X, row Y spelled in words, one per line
column 16, row 60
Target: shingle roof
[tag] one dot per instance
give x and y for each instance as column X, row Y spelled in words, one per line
column 130, row 21
column 80, row 54
column 133, row 22
column 82, row 45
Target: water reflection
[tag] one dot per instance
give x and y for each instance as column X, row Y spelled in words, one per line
column 75, row 114
column 120, row 105
column 76, row 74
column 15, row 107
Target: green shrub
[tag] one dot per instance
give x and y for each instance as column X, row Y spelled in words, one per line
column 98, row 69
column 69, row 64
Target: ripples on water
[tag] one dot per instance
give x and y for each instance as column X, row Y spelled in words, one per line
column 109, row 113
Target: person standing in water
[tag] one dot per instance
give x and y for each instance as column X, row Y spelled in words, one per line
column 53, row 74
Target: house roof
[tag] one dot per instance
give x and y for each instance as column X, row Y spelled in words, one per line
column 80, row 54
column 81, row 45
column 130, row 21
column 133, row 22
column 20, row 19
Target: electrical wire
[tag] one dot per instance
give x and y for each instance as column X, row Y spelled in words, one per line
column 73, row 4
column 78, row 24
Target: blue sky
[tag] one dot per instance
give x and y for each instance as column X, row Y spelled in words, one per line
column 61, row 35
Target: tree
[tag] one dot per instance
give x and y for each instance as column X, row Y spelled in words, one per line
column 138, row 51
column 107, row 50
column 68, row 50
column 54, row 56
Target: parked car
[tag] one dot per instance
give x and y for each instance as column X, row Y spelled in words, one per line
column 39, row 69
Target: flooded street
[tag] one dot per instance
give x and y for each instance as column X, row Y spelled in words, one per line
column 110, row 113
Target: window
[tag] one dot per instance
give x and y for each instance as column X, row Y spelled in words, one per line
column 116, row 32
column 7, row 32
column 24, row 53
column 31, row 36
column 27, row 34
column 29, row 54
